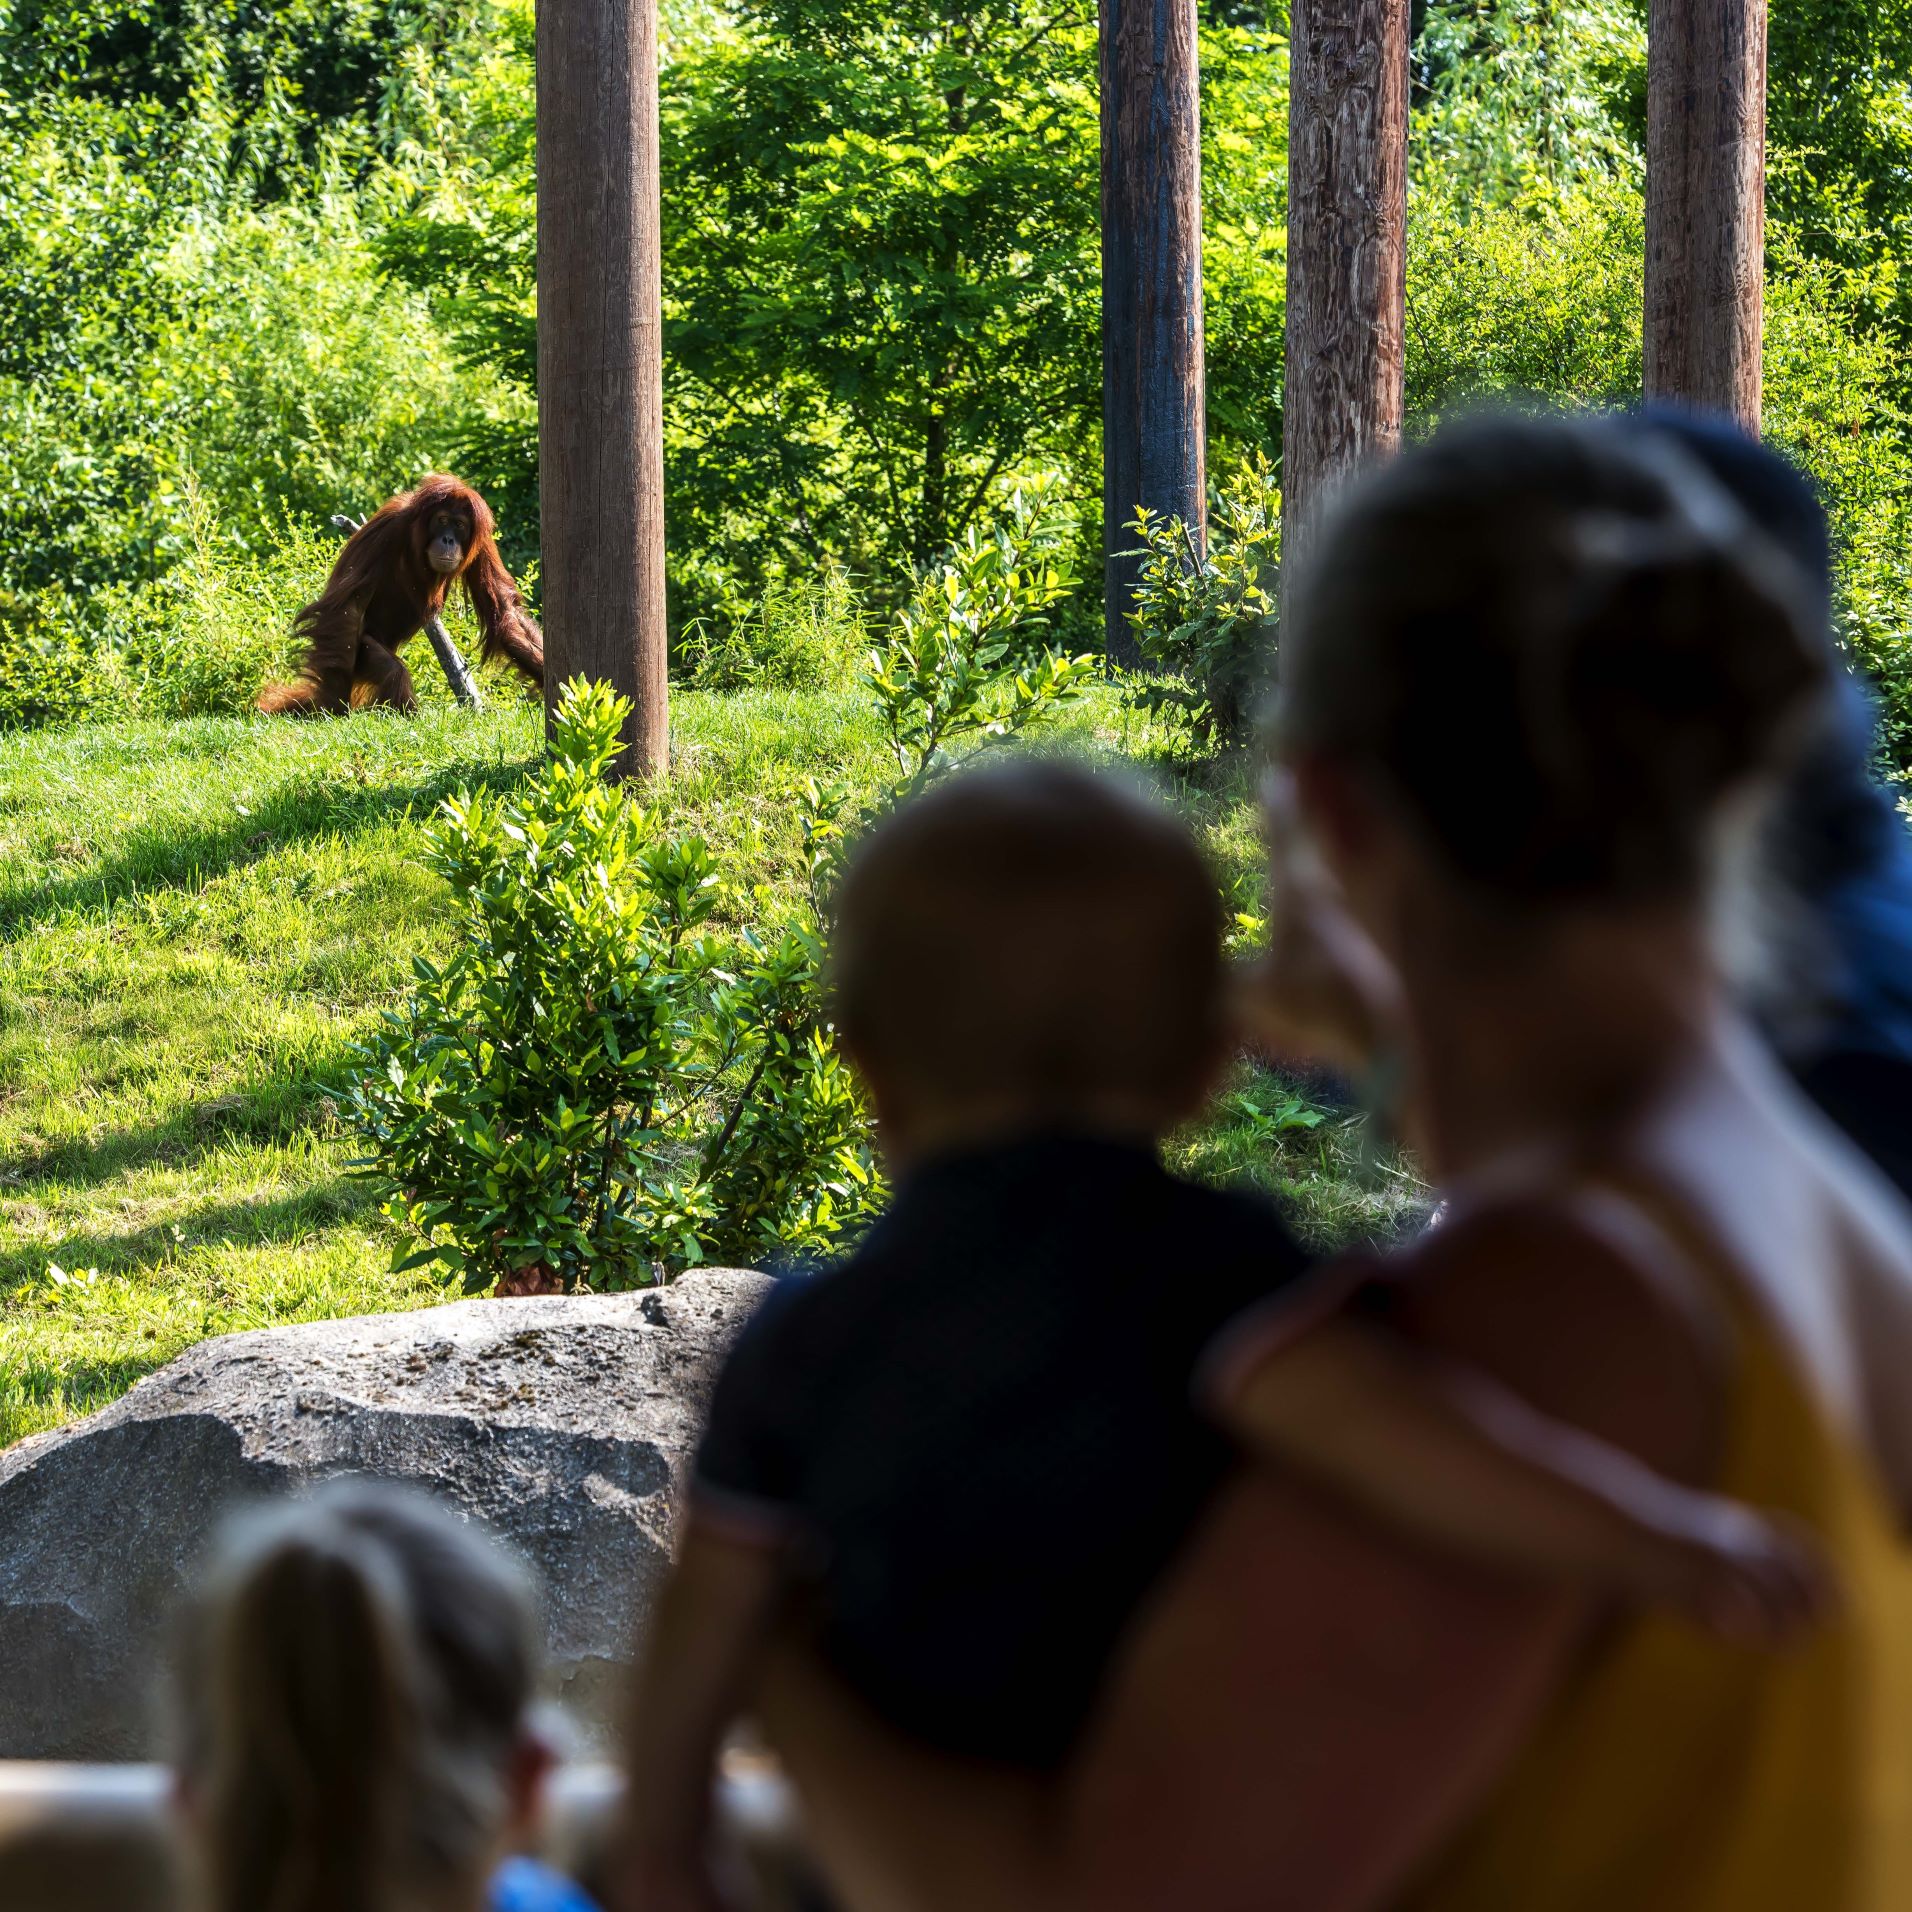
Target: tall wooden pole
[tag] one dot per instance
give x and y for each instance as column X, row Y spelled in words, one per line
column 1153, row 413
column 600, row 365
column 1706, row 204
column 1347, row 252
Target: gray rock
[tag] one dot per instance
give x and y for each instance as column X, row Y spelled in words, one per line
column 564, row 1425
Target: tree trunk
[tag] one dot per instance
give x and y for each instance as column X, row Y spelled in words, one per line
column 933, row 533
column 1153, row 423
column 1347, row 253
column 1706, row 204
column 600, row 364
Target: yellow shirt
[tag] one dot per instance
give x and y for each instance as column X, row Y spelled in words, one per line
column 1677, row 1773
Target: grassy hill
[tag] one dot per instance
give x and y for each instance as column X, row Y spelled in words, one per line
column 198, row 918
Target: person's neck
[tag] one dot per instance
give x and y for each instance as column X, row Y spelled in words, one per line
column 936, row 1134
column 1546, row 1037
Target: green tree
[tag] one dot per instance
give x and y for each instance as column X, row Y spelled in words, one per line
column 1519, row 96
column 882, row 271
column 1839, row 128
column 91, row 195
column 457, row 219
column 290, row 77
column 890, row 205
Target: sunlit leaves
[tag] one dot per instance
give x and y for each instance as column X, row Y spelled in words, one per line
column 1203, row 607
column 604, row 1081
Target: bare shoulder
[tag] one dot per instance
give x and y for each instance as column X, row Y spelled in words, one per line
column 1581, row 1305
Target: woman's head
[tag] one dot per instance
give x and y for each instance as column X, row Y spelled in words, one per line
column 1556, row 655
column 357, row 1678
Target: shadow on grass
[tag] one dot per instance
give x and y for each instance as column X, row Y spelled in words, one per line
column 186, row 857
column 271, row 1110
column 282, row 1218
column 77, row 1390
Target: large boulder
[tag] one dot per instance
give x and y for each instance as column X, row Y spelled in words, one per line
column 563, row 1424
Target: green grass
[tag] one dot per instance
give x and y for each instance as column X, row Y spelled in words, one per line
column 198, row 919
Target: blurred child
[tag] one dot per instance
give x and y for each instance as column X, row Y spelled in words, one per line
column 356, row 1715
column 969, row 1452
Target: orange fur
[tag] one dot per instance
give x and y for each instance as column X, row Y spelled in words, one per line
column 382, row 590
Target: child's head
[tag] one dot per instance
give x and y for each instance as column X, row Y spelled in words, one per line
column 1554, row 656
column 1029, row 944
column 357, row 1680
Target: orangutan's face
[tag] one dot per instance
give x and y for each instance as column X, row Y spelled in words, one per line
column 447, row 539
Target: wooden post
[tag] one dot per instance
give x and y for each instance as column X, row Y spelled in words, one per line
column 600, row 365
column 1153, row 422
column 1706, row 204
column 1347, row 251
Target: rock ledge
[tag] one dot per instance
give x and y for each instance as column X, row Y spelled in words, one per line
column 564, row 1425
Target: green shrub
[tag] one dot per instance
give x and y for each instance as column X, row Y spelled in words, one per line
column 1203, row 615
column 1543, row 298
column 1831, row 402
column 202, row 639
column 599, row 1083
column 805, row 633
column 1875, row 582
column 964, row 661
column 53, row 669
column 602, row 1083
column 89, row 196
column 305, row 381
column 965, row 657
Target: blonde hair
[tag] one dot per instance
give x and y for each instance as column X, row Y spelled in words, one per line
column 356, row 1679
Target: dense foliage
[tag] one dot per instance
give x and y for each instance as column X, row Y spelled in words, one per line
column 881, row 273
column 600, row 1081
column 1205, row 606
column 262, row 264
column 625, row 1066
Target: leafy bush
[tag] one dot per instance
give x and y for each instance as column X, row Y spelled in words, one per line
column 964, row 657
column 599, row 1083
column 89, row 195
column 804, row 633
column 203, row 638
column 1832, row 402
column 302, row 381
column 1543, row 298
column 52, row 668
column 1204, row 615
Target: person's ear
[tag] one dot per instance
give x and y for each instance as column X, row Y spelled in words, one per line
column 881, row 1092
column 1336, row 810
column 182, row 1799
column 533, row 1759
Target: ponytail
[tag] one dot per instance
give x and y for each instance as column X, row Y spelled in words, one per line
column 357, row 1680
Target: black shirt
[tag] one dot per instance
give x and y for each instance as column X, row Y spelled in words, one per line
column 981, row 1429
